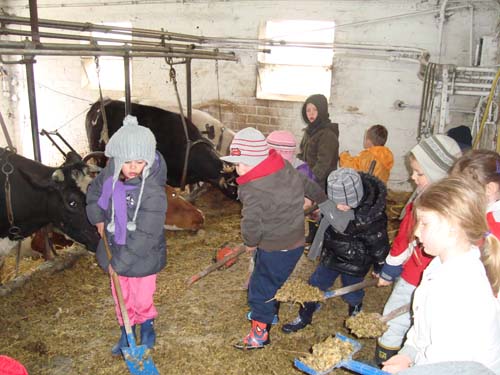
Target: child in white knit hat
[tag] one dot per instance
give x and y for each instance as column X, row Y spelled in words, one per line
column 272, row 224
column 430, row 161
column 352, row 237
column 127, row 200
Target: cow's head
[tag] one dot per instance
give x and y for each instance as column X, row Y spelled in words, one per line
column 227, row 182
column 181, row 215
column 65, row 190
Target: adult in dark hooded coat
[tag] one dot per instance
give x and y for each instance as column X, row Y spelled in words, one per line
column 319, row 147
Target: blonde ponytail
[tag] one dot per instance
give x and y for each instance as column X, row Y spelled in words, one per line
column 490, row 256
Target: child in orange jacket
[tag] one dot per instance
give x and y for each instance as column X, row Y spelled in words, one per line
column 374, row 150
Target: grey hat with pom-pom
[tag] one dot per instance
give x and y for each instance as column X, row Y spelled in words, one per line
column 131, row 142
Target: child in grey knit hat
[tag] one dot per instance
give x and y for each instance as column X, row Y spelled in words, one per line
column 127, row 199
column 352, row 238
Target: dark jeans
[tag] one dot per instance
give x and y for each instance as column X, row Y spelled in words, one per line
column 324, row 277
column 272, row 269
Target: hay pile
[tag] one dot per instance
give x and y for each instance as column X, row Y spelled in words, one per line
column 366, row 325
column 327, row 354
column 299, row 291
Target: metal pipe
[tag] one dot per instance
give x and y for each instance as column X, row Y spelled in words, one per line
column 476, row 85
column 471, row 36
column 30, row 80
column 440, row 28
column 6, row 31
column 35, row 52
column 126, row 69
column 121, row 49
column 471, row 93
column 188, row 89
column 404, row 15
column 475, row 69
column 215, row 41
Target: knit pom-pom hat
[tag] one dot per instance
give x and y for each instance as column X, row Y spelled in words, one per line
column 131, row 142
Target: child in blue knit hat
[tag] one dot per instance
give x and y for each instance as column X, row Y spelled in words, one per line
column 127, row 199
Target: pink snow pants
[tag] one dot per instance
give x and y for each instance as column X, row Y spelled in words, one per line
column 138, row 296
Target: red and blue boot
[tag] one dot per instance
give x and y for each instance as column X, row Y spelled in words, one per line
column 256, row 339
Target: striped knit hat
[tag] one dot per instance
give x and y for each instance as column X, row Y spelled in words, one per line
column 283, row 142
column 248, row 147
column 344, row 186
column 436, row 155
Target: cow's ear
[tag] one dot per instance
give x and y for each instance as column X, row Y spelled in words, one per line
column 72, row 158
column 58, row 175
column 37, row 180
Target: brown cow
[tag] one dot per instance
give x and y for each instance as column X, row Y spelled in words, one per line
column 58, row 241
column 181, row 215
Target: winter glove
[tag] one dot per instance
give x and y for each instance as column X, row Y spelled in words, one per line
column 336, row 218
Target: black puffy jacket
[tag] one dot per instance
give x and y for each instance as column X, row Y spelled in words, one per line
column 364, row 242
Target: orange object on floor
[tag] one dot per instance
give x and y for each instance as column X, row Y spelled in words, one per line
column 222, row 253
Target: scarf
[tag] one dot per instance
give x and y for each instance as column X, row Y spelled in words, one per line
column 119, row 199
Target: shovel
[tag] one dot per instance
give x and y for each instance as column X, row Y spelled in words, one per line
column 350, row 364
column 137, row 357
column 351, row 288
column 395, row 313
column 240, row 250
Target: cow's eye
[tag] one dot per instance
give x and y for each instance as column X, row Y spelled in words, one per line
column 72, row 204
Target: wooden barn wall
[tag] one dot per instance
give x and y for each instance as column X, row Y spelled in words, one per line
column 363, row 91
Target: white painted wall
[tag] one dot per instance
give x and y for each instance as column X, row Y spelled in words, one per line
column 363, row 91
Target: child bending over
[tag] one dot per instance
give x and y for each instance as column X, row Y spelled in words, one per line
column 272, row 224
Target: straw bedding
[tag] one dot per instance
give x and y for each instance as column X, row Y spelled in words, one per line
column 64, row 323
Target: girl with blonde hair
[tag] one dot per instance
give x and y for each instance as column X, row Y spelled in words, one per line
column 456, row 315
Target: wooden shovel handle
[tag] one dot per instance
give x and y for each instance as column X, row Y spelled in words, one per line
column 395, row 313
column 213, row 267
column 119, row 294
column 351, row 288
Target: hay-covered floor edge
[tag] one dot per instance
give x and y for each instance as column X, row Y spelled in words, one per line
column 64, row 322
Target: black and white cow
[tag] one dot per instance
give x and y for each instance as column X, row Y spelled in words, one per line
column 40, row 195
column 203, row 165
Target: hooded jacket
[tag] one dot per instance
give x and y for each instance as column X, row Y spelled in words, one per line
column 382, row 156
column 144, row 252
column 319, row 147
column 365, row 241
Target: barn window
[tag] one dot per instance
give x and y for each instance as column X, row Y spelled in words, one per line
column 111, row 69
column 295, row 72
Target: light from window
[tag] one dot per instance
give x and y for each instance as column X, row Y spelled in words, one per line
column 111, row 69
column 293, row 73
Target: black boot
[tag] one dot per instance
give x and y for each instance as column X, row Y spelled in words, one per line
column 355, row 310
column 313, row 228
column 123, row 342
column 382, row 353
column 304, row 319
column 148, row 335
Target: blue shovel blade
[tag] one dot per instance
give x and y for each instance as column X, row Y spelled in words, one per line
column 138, row 361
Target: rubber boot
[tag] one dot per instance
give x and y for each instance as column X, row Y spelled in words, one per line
column 256, row 339
column 382, row 353
column 304, row 319
column 355, row 310
column 148, row 335
column 123, row 342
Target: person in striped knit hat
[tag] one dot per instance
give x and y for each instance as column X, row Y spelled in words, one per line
column 430, row 161
column 272, row 224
